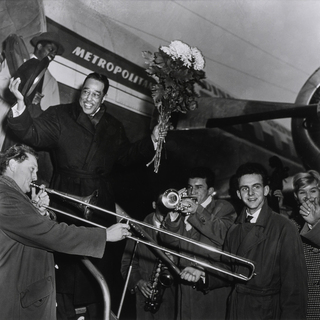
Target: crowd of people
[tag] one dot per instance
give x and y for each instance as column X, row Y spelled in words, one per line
column 268, row 238
column 41, row 272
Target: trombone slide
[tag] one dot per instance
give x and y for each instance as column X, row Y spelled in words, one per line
column 135, row 224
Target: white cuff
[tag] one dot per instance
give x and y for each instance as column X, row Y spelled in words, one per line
column 16, row 112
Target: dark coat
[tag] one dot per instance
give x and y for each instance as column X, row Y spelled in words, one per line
column 83, row 155
column 143, row 267
column 312, row 255
column 27, row 273
column 210, row 227
column 279, row 288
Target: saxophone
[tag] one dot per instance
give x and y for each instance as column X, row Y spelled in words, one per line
column 161, row 279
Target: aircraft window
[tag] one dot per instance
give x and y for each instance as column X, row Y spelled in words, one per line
column 277, row 140
column 292, row 149
column 258, row 131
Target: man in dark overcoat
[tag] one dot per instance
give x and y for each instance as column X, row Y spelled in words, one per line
column 85, row 142
column 278, row 289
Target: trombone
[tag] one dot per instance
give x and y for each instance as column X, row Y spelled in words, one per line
column 135, row 224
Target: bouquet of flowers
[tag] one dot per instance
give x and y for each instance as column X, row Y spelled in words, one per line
column 175, row 68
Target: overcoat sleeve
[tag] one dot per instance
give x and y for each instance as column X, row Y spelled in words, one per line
column 42, row 132
column 215, row 224
column 293, row 275
column 52, row 130
column 20, row 221
column 313, row 234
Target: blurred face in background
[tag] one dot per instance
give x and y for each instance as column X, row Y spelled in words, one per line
column 44, row 49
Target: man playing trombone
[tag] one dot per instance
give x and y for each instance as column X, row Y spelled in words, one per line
column 28, row 237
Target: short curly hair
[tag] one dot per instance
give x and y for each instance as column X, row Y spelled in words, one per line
column 18, row 152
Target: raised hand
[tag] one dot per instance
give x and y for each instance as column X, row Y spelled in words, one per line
column 14, row 88
column 310, row 211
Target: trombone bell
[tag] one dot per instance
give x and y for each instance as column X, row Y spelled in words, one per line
column 92, row 199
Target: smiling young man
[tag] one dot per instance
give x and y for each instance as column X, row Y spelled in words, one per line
column 86, row 142
column 278, row 290
column 206, row 220
column 252, row 190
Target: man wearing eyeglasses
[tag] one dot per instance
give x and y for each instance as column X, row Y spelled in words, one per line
column 86, row 142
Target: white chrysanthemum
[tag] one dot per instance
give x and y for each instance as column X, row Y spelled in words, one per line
column 166, row 50
column 191, row 57
column 182, row 51
column 199, row 62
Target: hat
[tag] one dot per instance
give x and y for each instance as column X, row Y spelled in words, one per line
column 50, row 37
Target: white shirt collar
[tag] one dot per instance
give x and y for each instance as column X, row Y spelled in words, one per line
column 155, row 221
column 254, row 215
column 206, row 202
column 93, row 114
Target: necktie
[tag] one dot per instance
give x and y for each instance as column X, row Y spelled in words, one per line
column 248, row 219
column 94, row 120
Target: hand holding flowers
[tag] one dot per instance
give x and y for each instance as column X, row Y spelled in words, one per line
column 175, row 68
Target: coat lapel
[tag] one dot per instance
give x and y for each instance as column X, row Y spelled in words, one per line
column 84, row 121
column 256, row 235
column 101, row 135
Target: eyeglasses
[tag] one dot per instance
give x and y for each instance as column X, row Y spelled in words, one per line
column 86, row 93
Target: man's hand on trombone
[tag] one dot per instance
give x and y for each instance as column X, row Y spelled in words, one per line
column 40, row 199
column 192, row 274
column 118, row 232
